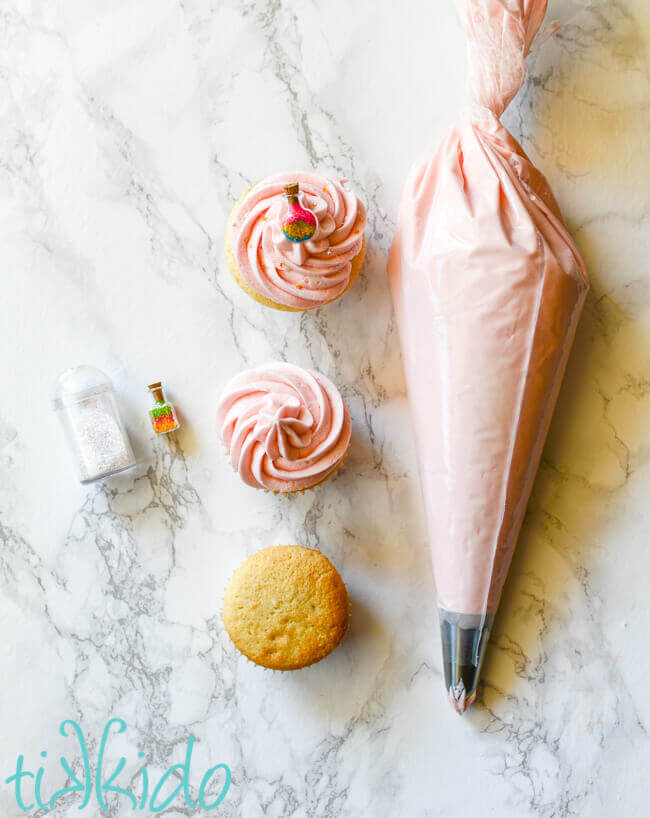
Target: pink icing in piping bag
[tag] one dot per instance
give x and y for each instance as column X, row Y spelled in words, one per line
column 488, row 288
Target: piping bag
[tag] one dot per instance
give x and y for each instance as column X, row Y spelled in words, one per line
column 488, row 288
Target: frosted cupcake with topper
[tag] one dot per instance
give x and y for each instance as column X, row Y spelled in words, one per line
column 286, row 429
column 295, row 241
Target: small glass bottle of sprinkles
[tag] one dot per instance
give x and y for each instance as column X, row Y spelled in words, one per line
column 298, row 222
column 163, row 415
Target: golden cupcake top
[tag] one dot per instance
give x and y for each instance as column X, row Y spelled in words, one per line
column 286, row 607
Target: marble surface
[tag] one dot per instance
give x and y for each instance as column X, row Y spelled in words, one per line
column 127, row 132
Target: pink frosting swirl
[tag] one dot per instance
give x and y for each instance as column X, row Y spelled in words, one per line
column 286, row 428
column 303, row 275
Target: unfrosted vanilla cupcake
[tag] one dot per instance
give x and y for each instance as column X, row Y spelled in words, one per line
column 286, row 607
column 286, row 429
column 295, row 241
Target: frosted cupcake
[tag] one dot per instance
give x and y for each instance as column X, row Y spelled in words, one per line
column 286, row 429
column 295, row 241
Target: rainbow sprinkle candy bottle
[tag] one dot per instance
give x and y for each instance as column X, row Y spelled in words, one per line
column 298, row 223
column 162, row 414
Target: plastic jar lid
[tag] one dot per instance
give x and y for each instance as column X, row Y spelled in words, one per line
column 79, row 383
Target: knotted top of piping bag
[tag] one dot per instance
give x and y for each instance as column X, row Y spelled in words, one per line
column 500, row 35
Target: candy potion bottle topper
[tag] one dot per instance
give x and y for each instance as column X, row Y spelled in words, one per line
column 298, row 223
column 162, row 414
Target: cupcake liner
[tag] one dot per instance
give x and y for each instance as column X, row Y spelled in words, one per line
column 233, row 267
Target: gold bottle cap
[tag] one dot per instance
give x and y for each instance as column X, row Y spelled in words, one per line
column 292, row 189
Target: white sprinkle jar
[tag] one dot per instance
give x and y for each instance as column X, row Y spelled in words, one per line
column 84, row 400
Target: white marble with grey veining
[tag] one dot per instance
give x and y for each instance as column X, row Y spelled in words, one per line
column 127, row 130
